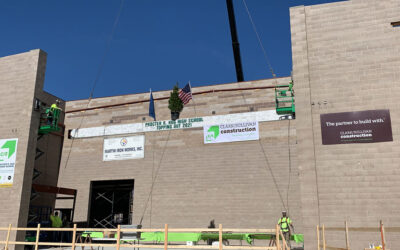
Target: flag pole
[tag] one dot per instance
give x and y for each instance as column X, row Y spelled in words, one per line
column 194, row 103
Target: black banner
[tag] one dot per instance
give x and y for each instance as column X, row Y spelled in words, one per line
column 356, row 127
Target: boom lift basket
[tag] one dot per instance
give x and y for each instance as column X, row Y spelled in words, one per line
column 284, row 100
column 49, row 121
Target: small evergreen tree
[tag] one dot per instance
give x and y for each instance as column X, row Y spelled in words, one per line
column 175, row 104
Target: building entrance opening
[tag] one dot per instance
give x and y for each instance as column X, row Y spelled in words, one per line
column 111, row 203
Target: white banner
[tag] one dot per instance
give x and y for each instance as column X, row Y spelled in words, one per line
column 8, row 155
column 197, row 122
column 243, row 131
column 123, row 148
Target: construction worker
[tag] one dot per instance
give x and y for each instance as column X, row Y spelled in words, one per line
column 56, row 222
column 51, row 111
column 285, row 223
column 212, row 225
column 55, row 105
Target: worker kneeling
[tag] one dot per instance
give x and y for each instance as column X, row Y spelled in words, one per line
column 285, row 223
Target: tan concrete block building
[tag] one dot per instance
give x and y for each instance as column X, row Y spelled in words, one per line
column 193, row 183
column 21, row 83
column 345, row 59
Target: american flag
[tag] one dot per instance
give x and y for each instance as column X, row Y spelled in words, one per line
column 185, row 94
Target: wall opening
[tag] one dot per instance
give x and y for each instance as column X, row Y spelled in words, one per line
column 111, row 203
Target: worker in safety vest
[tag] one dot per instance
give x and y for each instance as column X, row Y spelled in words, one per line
column 50, row 114
column 56, row 222
column 55, row 105
column 286, row 223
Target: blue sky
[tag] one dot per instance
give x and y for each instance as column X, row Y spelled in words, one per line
column 156, row 43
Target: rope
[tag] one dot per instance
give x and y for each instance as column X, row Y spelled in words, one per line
column 267, row 168
column 272, row 174
column 290, row 169
column 312, row 122
column 155, row 177
column 274, row 76
column 107, row 49
column 151, row 198
column 194, row 103
column 259, row 41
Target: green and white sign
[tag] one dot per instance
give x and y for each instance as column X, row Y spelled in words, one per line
column 123, row 148
column 8, row 155
column 243, row 131
column 184, row 123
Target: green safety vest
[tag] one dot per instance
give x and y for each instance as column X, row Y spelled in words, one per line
column 284, row 222
column 55, row 221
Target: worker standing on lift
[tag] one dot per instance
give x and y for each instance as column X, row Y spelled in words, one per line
column 50, row 114
column 55, row 105
column 285, row 223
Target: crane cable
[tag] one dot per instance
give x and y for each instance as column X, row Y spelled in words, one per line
column 155, row 177
column 259, row 41
column 268, row 168
column 100, row 70
column 290, row 168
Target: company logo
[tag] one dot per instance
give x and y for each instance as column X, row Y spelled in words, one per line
column 123, row 142
column 7, row 150
column 213, row 133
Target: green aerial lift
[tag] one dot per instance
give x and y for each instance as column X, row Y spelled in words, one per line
column 50, row 116
column 284, row 100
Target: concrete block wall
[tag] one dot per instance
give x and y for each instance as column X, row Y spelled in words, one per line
column 51, row 144
column 345, row 58
column 228, row 182
column 21, row 78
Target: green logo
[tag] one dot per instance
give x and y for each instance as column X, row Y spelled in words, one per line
column 8, row 149
column 213, row 133
column 11, row 145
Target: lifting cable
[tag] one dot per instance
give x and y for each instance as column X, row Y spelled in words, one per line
column 155, row 177
column 100, row 70
column 290, row 168
column 259, row 40
column 268, row 167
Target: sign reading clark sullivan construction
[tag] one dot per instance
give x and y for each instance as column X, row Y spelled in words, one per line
column 8, row 155
column 356, row 127
column 123, row 148
column 243, row 131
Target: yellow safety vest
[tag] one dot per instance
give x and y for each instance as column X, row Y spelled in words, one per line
column 54, row 106
column 55, row 221
column 284, row 222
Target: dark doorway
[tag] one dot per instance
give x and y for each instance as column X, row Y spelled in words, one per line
column 111, row 203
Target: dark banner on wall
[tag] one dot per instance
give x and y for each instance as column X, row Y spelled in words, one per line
column 356, row 127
